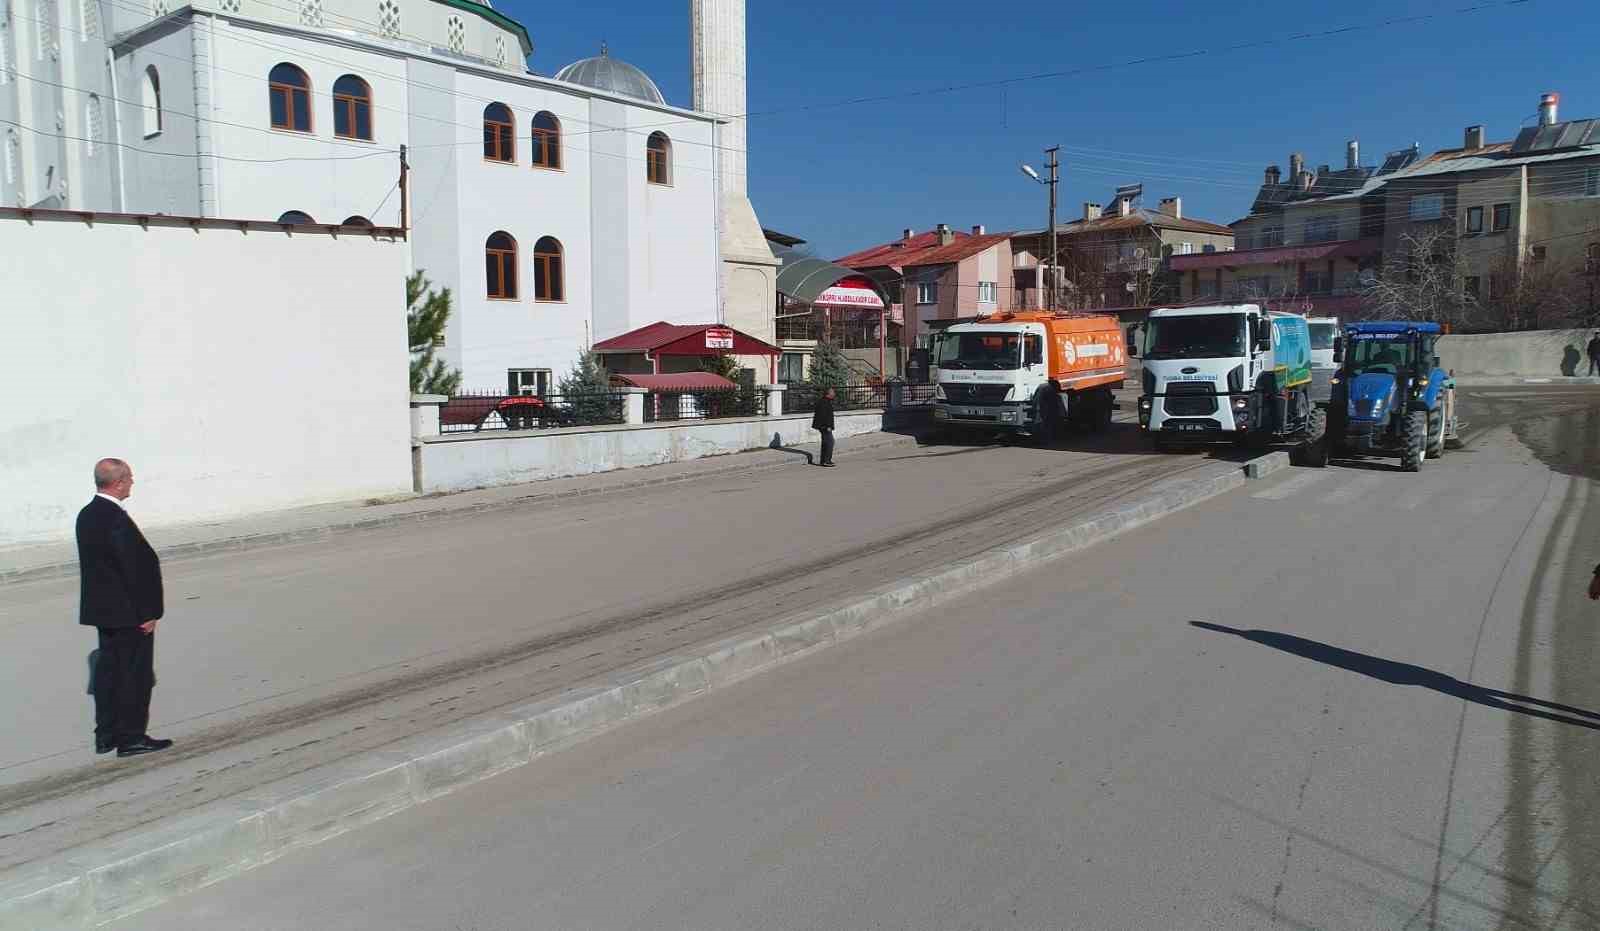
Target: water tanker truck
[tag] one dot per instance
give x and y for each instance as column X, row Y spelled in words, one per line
column 1027, row 372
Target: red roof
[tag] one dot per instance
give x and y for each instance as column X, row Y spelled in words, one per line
column 681, row 339
column 677, row 381
column 921, row 249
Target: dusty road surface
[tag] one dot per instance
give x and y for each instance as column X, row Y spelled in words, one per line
column 273, row 660
column 1349, row 698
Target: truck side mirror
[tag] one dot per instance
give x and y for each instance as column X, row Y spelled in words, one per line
column 1263, row 334
column 1035, row 353
column 1338, row 349
column 1133, row 341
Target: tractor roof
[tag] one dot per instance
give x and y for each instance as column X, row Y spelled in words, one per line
column 1395, row 327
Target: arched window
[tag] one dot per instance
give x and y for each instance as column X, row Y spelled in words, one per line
column 357, row 221
column 151, row 99
column 499, row 133
column 546, row 140
column 658, row 159
column 352, row 108
column 289, row 94
column 548, row 280
column 500, row 260
column 296, row 218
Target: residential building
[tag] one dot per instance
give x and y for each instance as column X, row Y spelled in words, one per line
column 558, row 210
column 1115, row 256
column 940, row 276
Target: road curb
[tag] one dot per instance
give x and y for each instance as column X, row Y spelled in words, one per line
column 304, row 534
column 131, row 872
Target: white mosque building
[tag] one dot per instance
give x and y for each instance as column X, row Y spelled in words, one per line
column 558, row 211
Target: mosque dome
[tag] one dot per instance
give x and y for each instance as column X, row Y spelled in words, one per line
column 612, row 75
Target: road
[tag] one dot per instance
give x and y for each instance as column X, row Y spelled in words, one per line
column 1349, row 698
column 274, row 660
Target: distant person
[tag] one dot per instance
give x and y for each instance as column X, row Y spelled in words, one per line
column 822, row 422
column 1594, row 355
column 121, row 597
column 1594, row 585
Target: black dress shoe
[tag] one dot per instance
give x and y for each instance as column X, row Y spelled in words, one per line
column 143, row 745
column 104, row 746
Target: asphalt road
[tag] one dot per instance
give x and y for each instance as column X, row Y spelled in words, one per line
column 1348, row 698
column 274, row 660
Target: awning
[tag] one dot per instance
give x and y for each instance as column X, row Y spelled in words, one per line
column 808, row 281
column 1278, row 255
column 678, row 339
column 677, row 381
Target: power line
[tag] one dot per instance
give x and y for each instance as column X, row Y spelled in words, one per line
column 52, row 134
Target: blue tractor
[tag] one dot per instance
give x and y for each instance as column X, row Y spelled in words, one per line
column 1389, row 396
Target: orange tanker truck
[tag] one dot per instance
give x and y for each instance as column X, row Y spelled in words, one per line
column 1032, row 372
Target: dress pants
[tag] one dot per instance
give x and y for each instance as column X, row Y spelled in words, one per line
column 123, row 679
column 827, row 446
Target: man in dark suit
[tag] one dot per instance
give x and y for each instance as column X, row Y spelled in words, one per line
column 121, row 596
column 822, row 422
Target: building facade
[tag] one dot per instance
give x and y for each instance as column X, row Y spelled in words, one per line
column 940, row 276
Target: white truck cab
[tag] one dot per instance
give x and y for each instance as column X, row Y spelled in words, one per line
column 1325, row 336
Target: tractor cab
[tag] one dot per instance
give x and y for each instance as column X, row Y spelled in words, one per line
column 1390, row 395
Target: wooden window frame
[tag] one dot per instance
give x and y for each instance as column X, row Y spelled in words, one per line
column 288, row 91
column 505, row 135
column 507, row 262
column 543, row 262
column 348, row 103
column 545, row 142
column 658, row 161
column 1495, row 222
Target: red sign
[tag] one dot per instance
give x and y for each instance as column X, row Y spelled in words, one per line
column 719, row 338
column 845, row 296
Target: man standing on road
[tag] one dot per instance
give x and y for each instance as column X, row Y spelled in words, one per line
column 121, row 597
column 1594, row 355
column 822, row 422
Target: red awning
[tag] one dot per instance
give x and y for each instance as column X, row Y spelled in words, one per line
column 677, row 339
column 1277, row 255
column 676, row 381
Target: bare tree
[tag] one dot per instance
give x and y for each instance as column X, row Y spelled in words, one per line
column 1534, row 294
column 1421, row 281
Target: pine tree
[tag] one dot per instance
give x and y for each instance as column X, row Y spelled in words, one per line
column 586, row 392
column 829, row 367
column 427, row 312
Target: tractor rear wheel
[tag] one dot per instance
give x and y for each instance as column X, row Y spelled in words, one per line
column 1436, row 434
column 1414, row 441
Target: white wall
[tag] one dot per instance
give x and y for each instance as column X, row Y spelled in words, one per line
column 238, row 372
column 673, row 255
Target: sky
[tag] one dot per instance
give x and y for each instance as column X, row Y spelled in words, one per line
column 1204, row 126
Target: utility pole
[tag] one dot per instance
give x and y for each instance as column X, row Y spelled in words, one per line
column 405, row 194
column 1055, row 178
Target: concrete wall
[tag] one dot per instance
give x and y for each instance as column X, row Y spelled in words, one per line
column 237, row 371
column 1539, row 353
column 457, row 463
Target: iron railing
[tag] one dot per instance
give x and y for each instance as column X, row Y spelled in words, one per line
column 802, row 398
column 496, row 410
column 665, row 406
column 917, row 395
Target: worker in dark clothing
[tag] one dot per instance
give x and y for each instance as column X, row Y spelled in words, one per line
column 1594, row 355
column 1594, row 585
column 822, row 422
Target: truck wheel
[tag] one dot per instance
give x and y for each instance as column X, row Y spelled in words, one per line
column 1413, row 439
column 1314, row 452
column 1047, row 402
column 1104, row 407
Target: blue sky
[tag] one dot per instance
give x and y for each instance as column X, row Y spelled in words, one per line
column 1202, row 128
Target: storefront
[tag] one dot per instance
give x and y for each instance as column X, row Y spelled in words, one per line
column 819, row 301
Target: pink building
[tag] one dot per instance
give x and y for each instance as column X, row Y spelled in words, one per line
column 940, row 275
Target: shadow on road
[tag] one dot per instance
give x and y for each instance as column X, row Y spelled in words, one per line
column 777, row 444
column 1407, row 674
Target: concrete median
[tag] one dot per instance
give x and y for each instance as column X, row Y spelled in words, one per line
column 91, row 885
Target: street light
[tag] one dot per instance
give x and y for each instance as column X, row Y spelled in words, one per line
column 1054, row 165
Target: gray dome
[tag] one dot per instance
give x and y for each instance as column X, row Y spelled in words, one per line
column 613, row 75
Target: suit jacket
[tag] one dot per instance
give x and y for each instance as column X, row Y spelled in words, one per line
column 120, row 572
column 822, row 415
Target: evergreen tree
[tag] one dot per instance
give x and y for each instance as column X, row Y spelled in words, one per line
column 829, row 367
column 427, row 312
column 586, row 392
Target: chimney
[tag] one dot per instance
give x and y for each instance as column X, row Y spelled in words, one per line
column 1548, row 105
column 1090, row 211
column 1473, row 138
column 1274, row 175
column 1306, row 179
column 1172, row 207
column 977, row 230
column 907, row 233
column 1352, row 154
column 946, row 236
column 1124, row 206
column 1297, row 164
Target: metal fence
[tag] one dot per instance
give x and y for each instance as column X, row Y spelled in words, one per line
column 802, row 398
column 496, row 410
column 664, row 406
column 917, row 395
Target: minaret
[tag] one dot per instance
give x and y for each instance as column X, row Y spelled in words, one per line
column 749, row 270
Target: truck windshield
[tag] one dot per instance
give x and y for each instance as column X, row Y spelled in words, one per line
column 1322, row 335
column 980, row 351
column 1381, row 354
column 1203, row 336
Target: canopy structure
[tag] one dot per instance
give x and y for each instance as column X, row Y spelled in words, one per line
column 686, row 339
column 821, row 283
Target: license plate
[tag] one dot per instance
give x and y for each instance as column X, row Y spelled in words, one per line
column 1191, row 427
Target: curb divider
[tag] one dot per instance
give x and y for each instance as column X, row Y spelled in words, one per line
column 131, row 872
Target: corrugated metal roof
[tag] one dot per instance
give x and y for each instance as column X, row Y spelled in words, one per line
column 1135, row 219
column 956, row 251
column 897, row 253
column 1501, row 159
column 676, row 381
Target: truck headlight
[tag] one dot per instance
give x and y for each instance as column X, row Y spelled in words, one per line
column 938, row 392
column 1240, row 404
column 1144, row 404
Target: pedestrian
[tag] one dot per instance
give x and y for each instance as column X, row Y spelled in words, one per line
column 1594, row 355
column 1594, row 585
column 121, row 597
column 822, row 422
